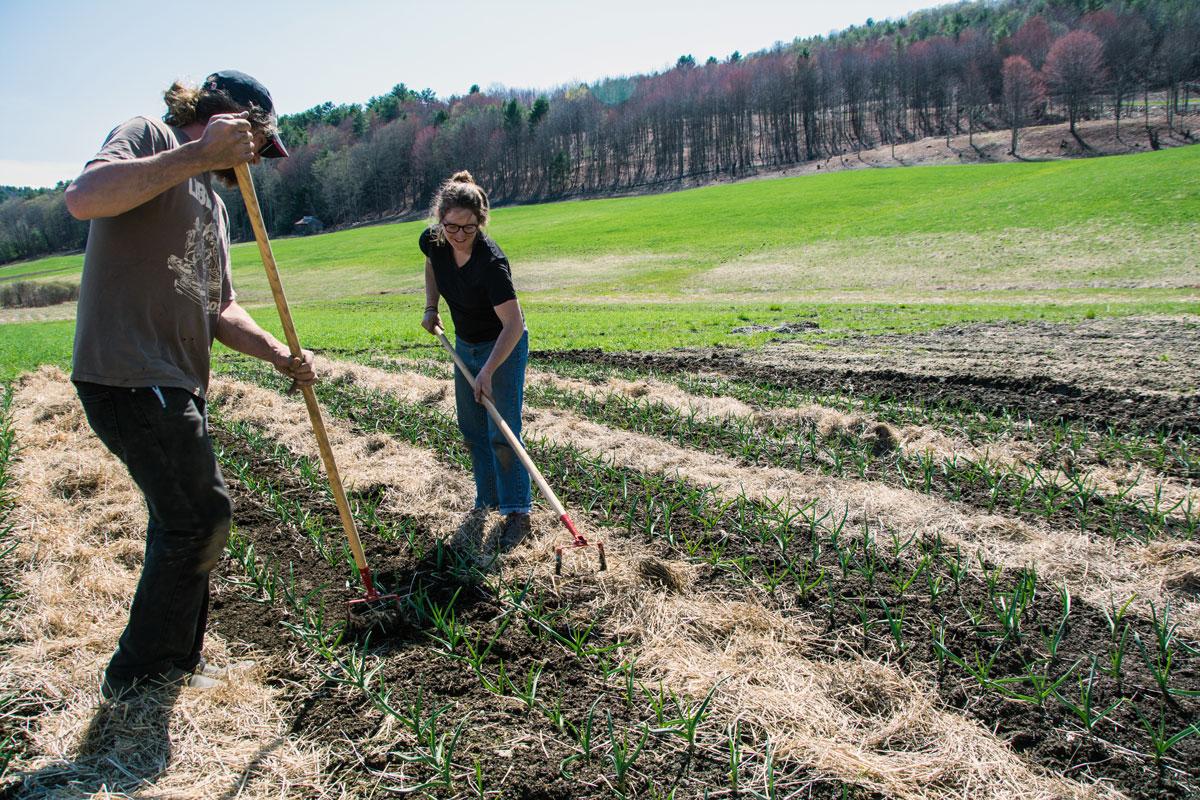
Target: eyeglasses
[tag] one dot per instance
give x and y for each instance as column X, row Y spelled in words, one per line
column 450, row 227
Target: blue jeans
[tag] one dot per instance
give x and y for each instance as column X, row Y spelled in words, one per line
column 161, row 435
column 500, row 478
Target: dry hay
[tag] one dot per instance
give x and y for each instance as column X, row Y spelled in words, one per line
column 1098, row 570
column 421, row 365
column 412, row 480
column 855, row 720
column 412, row 387
column 79, row 528
column 652, row 390
column 858, row 720
column 1180, row 564
column 1140, row 482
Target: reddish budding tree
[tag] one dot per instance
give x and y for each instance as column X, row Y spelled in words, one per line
column 1074, row 72
column 1032, row 40
column 1022, row 91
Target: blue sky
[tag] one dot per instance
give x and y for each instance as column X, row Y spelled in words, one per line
column 73, row 69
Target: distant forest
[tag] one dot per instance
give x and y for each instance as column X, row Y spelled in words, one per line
column 970, row 66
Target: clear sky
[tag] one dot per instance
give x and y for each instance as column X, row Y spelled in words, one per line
column 72, row 69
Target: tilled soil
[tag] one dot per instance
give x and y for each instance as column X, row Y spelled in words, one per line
column 499, row 730
column 517, row 751
column 522, row 753
column 1044, row 736
column 1127, row 372
column 1048, row 736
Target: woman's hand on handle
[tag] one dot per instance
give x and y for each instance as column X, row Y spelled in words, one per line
column 483, row 385
column 432, row 321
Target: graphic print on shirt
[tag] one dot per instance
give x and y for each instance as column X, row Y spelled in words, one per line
column 198, row 271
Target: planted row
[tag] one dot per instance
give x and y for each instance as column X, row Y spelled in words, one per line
column 611, row 732
column 913, row 600
column 1168, row 452
column 1063, row 496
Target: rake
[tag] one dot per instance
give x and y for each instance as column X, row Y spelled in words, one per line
column 577, row 538
column 372, row 599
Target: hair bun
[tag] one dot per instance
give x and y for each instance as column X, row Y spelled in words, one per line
column 462, row 177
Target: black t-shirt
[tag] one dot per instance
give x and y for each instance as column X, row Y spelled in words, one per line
column 473, row 290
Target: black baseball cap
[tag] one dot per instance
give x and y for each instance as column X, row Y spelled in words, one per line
column 246, row 91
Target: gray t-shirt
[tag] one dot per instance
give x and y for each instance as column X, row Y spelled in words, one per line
column 154, row 278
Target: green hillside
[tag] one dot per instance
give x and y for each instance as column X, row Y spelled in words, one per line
column 882, row 249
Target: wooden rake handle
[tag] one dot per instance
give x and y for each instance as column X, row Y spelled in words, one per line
column 246, row 184
column 513, row 442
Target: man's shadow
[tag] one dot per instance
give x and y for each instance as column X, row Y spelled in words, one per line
column 448, row 574
column 126, row 745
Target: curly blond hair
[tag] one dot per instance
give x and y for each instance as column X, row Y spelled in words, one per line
column 188, row 103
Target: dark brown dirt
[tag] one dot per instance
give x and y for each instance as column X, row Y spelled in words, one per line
column 328, row 712
column 1139, row 373
column 1118, row 750
column 518, row 752
column 876, row 445
column 946, row 366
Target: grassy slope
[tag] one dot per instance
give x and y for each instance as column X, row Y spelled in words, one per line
column 873, row 250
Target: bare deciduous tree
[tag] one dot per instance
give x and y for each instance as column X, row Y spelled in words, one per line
column 1074, row 72
column 1022, row 91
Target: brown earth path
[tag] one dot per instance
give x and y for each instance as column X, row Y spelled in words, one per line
column 1141, row 372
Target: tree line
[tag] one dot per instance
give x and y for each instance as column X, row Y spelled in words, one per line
column 962, row 68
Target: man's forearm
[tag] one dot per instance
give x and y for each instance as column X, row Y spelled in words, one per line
column 106, row 189
column 237, row 330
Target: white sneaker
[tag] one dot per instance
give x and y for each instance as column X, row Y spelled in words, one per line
column 203, row 678
column 200, row 681
column 208, row 671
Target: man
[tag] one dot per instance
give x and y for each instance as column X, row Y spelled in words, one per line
column 156, row 291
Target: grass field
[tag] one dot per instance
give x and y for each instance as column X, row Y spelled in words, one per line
column 877, row 250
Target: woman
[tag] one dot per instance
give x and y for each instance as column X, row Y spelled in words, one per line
column 471, row 272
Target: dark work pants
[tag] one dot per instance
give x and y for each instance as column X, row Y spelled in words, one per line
column 161, row 435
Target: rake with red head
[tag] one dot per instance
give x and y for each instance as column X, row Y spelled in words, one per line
column 577, row 538
column 372, row 600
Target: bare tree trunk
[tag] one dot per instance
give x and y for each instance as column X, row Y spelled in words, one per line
column 1117, row 111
